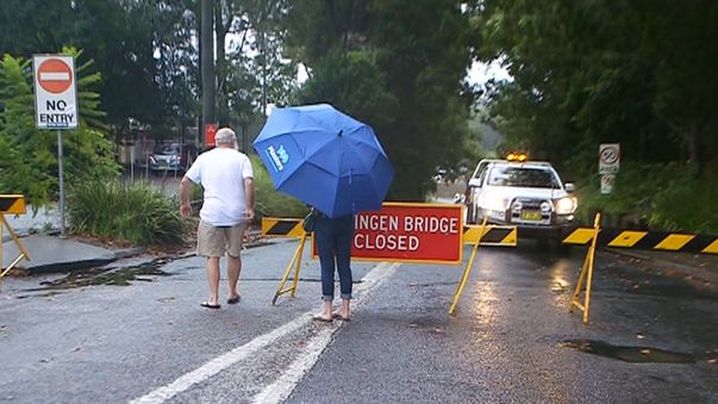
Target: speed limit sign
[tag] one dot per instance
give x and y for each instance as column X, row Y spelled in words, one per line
column 609, row 158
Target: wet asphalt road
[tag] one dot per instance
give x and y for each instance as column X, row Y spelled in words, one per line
column 507, row 342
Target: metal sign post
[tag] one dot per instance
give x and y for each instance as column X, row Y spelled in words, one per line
column 61, row 175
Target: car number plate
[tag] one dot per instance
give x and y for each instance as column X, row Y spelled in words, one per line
column 532, row 215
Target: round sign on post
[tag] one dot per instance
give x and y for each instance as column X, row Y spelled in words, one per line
column 54, row 76
column 609, row 158
column 607, row 181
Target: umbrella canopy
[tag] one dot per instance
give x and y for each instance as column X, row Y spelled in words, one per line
column 325, row 158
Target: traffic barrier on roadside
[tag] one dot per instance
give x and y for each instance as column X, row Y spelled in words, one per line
column 13, row 204
column 585, row 279
column 282, row 227
column 492, row 235
column 646, row 240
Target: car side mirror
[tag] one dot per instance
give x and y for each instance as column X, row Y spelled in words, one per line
column 570, row 187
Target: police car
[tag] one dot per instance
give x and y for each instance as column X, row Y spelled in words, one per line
column 516, row 191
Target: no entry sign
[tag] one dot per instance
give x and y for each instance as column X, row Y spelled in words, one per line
column 55, row 95
column 409, row 232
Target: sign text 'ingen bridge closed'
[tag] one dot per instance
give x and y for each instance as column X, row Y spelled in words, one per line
column 408, row 232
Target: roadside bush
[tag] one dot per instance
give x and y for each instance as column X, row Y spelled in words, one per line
column 129, row 212
column 270, row 202
column 660, row 196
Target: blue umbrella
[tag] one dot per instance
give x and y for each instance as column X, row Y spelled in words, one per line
column 325, row 158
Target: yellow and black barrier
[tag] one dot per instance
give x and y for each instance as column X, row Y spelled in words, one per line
column 645, row 240
column 282, row 227
column 491, row 235
column 11, row 205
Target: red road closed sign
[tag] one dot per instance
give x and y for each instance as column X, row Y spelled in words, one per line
column 409, row 232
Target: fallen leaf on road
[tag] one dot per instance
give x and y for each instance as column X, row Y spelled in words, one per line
column 712, row 360
column 640, row 336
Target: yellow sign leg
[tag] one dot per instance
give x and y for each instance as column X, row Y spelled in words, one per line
column 296, row 260
column 298, row 264
column 16, row 240
column 467, row 270
column 587, row 274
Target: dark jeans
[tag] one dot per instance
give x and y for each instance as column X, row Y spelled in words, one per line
column 334, row 239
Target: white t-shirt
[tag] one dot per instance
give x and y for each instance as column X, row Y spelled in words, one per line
column 221, row 171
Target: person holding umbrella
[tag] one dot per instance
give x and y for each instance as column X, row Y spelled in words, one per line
column 334, row 239
column 227, row 177
column 335, row 164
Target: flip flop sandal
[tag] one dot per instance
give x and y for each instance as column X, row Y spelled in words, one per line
column 340, row 317
column 234, row 300
column 210, row 306
column 322, row 319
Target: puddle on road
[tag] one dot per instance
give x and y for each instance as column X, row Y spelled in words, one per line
column 118, row 277
column 635, row 354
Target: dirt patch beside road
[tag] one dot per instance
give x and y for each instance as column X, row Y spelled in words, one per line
column 700, row 270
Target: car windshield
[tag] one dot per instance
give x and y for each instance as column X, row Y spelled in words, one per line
column 168, row 149
column 522, row 177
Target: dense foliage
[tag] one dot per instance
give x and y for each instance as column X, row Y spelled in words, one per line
column 589, row 72
column 137, row 213
column 396, row 65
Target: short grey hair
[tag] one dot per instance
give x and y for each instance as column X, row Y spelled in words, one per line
column 225, row 136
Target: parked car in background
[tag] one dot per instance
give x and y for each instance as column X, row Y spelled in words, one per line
column 172, row 157
column 516, row 191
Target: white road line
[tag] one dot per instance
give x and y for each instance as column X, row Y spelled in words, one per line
column 374, row 278
column 283, row 387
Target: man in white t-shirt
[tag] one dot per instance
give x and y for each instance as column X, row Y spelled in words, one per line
column 228, row 181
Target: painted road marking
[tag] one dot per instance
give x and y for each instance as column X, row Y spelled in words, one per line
column 373, row 279
column 280, row 390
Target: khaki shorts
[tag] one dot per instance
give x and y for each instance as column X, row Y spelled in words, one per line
column 215, row 241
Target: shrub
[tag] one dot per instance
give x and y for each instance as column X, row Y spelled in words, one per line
column 130, row 212
column 666, row 197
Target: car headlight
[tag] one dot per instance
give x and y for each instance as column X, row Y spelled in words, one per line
column 566, row 206
column 494, row 203
column 517, row 206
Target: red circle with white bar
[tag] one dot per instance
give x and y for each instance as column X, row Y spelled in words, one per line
column 54, row 76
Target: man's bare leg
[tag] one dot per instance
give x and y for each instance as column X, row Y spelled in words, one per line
column 213, row 280
column 234, row 268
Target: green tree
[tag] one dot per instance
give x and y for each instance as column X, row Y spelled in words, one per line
column 396, row 65
column 638, row 73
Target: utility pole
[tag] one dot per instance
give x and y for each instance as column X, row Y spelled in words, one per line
column 207, row 66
